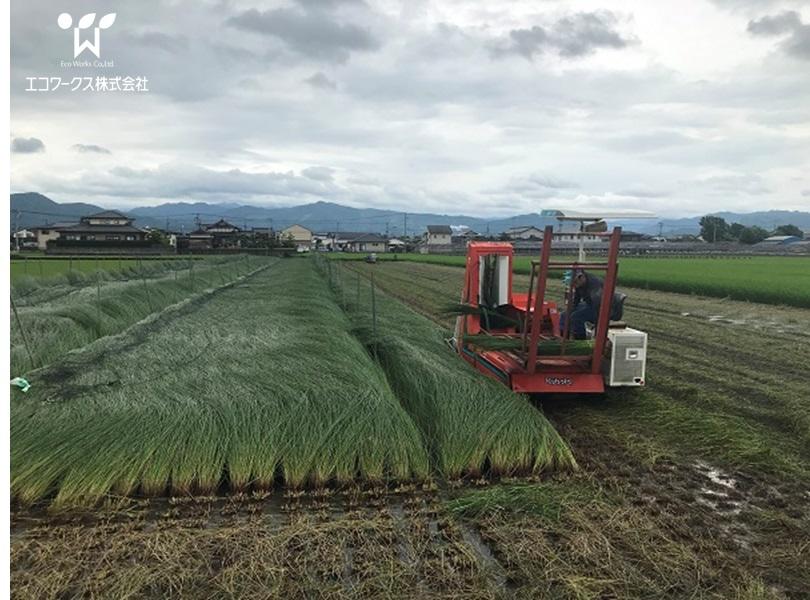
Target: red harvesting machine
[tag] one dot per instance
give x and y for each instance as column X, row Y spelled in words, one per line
column 532, row 352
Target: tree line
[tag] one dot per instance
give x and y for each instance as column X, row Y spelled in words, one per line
column 716, row 229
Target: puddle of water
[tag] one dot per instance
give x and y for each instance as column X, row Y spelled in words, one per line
column 485, row 555
column 405, row 550
column 718, row 500
column 716, row 476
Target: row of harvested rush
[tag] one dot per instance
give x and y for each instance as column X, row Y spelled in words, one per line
column 54, row 316
column 471, row 423
column 262, row 382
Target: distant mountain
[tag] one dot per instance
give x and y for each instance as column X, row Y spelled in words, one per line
column 767, row 219
column 32, row 209
column 35, row 209
column 327, row 216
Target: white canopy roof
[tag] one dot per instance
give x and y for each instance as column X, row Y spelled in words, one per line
column 573, row 215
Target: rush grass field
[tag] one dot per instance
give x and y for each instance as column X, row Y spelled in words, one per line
column 695, row 486
column 767, row 279
column 264, row 379
column 56, row 314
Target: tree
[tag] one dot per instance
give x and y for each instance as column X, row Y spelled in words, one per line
column 736, row 230
column 156, row 236
column 714, row 229
column 788, row 230
column 288, row 241
column 753, row 235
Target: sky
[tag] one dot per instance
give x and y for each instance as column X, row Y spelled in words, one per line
column 486, row 109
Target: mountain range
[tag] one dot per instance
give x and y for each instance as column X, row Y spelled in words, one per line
column 32, row 209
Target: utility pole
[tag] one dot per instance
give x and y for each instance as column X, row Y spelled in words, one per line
column 660, row 229
column 197, row 221
column 386, row 229
column 16, row 229
column 405, row 225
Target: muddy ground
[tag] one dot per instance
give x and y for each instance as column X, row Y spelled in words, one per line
column 697, row 486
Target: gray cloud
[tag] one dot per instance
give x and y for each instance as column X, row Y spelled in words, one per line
column 27, row 145
column 179, row 180
column 749, row 6
column 90, row 148
column 313, row 33
column 428, row 121
column 753, row 185
column 156, row 39
column 648, row 142
column 775, row 24
column 535, row 185
column 806, row 193
column 643, row 192
column 551, row 182
column 571, row 36
column 797, row 44
column 327, row 4
column 318, row 173
column 321, row 81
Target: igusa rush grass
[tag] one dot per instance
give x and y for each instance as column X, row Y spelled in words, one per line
column 260, row 382
column 470, row 423
column 58, row 316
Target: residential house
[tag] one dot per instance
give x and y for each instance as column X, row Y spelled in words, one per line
column 341, row 240
column 323, row 241
column 396, row 245
column 106, row 229
column 223, row 234
column 438, row 235
column 529, row 232
column 46, row 233
column 301, row 237
column 632, row 236
column 357, row 241
column 367, row 242
column 465, row 235
column 200, row 239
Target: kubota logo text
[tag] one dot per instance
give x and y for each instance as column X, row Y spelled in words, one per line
column 65, row 21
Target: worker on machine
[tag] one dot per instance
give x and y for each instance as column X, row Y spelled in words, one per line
column 586, row 302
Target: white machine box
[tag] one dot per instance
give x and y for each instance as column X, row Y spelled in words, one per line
column 628, row 357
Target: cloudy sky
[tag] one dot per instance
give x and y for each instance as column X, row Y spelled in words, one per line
column 443, row 106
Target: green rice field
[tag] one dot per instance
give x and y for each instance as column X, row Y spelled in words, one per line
column 768, row 279
column 49, row 267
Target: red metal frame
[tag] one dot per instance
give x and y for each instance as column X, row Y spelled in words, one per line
column 524, row 371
